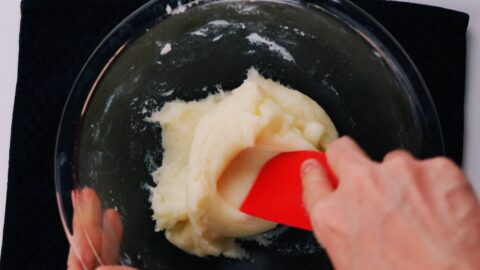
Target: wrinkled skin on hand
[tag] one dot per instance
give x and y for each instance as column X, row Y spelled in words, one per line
column 401, row 213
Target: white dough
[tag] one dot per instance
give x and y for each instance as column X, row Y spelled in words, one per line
column 214, row 149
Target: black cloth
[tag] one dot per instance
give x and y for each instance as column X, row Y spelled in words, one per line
column 57, row 36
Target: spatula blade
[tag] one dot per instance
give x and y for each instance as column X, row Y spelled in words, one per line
column 276, row 194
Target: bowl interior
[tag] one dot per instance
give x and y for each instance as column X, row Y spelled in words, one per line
column 212, row 45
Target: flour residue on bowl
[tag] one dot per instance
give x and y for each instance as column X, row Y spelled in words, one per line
column 140, row 109
column 166, row 49
column 300, row 249
column 275, row 240
column 181, row 8
column 125, row 259
column 327, row 83
column 268, row 238
column 300, row 32
column 167, row 93
column 201, row 32
column 258, row 40
column 217, row 28
column 168, row 9
column 245, row 8
column 217, row 38
column 136, row 79
column 221, row 23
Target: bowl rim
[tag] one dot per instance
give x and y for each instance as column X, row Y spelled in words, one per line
column 155, row 11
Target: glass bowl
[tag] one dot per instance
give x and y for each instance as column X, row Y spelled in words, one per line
column 331, row 51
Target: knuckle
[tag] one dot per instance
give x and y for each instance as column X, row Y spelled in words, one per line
column 339, row 142
column 447, row 170
column 444, row 168
column 397, row 154
column 442, row 163
column 333, row 146
column 460, row 199
column 441, row 173
column 399, row 158
column 401, row 165
column 339, row 148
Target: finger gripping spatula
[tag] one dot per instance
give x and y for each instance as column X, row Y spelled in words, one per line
column 276, row 194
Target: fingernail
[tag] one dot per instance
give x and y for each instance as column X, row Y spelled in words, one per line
column 307, row 165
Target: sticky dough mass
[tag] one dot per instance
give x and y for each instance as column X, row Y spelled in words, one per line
column 214, row 148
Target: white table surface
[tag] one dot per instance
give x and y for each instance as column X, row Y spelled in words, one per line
column 10, row 25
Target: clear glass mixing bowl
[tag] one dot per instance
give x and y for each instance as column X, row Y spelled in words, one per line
column 330, row 50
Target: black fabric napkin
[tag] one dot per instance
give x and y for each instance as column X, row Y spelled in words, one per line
column 56, row 38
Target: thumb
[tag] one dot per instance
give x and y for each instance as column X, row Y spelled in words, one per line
column 316, row 184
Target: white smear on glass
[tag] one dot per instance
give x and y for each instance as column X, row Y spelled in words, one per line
column 180, row 9
column 200, row 32
column 126, row 260
column 213, row 27
column 248, row 10
column 300, row 32
column 169, row 9
column 166, row 49
column 168, row 93
column 256, row 39
column 266, row 239
column 217, row 38
column 222, row 23
column 110, row 101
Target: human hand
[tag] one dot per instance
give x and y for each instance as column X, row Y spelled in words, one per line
column 398, row 214
column 96, row 234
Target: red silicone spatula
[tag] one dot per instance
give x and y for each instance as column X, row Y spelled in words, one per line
column 276, row 194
